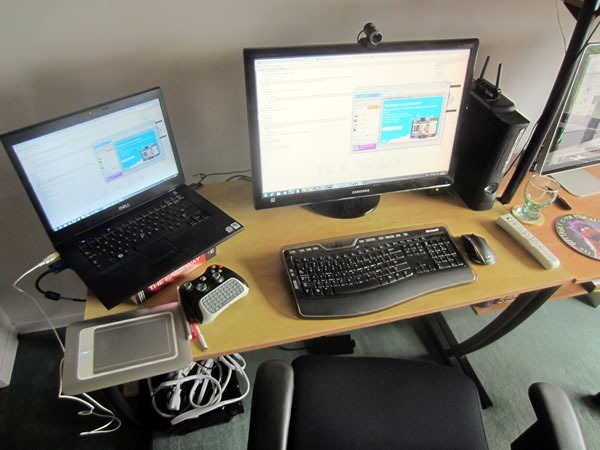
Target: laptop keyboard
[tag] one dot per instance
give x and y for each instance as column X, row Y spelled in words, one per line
column 118, row 242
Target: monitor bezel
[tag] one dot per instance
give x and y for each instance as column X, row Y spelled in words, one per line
column 373, row 189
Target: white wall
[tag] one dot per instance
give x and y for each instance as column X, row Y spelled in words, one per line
column 8, row 349
column 63, row 55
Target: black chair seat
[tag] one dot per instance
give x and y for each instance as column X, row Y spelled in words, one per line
column 346, row 403
column 411, row 405
column 375, row 403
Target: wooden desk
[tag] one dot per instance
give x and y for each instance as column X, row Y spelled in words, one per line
column 268, row 317
column 582, row 268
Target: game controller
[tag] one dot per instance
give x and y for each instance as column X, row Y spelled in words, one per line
column 207, row 296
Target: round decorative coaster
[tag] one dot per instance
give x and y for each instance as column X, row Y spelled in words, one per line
column 582, row 233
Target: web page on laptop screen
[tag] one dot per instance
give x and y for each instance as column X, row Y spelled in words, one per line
column 81, row 170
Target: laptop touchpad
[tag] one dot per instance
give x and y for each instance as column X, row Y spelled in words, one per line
column 159, row 250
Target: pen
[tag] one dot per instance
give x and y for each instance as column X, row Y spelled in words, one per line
column 200, row 337
column 563, row 203
column 186, row 323
column 188, row 329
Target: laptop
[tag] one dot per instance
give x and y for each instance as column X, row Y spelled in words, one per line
column 98, row 176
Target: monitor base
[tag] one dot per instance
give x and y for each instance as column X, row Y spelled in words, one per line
column 350, row 208
column 578, row 182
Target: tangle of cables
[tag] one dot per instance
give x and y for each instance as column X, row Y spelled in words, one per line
column 198, row 389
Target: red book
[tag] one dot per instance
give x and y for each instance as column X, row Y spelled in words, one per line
column 149, row 291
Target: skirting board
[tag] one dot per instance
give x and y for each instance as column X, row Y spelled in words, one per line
column 42, row 324
column 8, row 349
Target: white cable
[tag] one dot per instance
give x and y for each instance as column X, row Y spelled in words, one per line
column 205, row 369
column 217, row 392
column 216, row 385
column 203, row 382
column 89, row 402
column 233, row 364
column 45, row 262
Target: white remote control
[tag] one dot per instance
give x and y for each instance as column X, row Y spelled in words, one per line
column 528, row 241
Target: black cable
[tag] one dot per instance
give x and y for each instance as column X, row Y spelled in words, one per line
column 240, row 177
column 51, row 295
column 204, row 176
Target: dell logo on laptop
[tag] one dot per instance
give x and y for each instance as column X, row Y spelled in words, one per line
column 124, row 206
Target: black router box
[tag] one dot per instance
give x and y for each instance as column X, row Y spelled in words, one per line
column 491, row 130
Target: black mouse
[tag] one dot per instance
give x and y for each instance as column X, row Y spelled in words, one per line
column 478, row 250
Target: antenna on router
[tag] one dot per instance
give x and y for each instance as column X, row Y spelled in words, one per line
column 484, row 68
column 486, row 89
column 498, row 76
column 492, row 94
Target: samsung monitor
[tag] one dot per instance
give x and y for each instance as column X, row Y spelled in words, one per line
column 334, row 126
column 575, row 144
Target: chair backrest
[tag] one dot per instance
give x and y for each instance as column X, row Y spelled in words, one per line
column 556, row 426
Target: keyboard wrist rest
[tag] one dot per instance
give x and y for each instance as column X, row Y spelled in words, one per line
column 383, row 297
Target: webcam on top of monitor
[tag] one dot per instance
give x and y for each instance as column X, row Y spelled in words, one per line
column 372, row 37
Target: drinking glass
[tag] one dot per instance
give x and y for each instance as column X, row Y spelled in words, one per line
column 540, row 191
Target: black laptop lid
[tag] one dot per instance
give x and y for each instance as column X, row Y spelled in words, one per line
column 92, row 165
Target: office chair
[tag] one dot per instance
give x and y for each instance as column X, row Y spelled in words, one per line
column 328, row 402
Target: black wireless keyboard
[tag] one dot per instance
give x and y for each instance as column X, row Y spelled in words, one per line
column 362, row 274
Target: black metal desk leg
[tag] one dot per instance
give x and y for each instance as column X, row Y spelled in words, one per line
column 455, row 353
column 516, row 313
column 444, row 339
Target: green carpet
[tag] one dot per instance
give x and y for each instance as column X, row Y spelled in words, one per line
column 559, row 344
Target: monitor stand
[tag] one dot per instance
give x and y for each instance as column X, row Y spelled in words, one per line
column 350, row 208
column 578, row 182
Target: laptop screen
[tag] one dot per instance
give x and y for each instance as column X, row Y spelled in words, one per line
column 85, row 168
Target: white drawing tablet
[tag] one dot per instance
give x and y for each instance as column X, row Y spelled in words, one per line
column 125, row 347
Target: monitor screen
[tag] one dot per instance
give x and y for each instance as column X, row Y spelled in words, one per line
column 575, row 143
column 340, row 122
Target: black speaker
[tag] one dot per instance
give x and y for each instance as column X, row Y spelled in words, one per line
column 490, row 132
